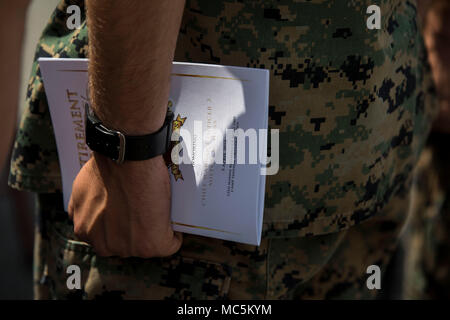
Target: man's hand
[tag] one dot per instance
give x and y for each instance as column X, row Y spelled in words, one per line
column 124, row 210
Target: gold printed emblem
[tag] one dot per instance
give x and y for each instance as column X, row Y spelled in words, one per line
column 176, row 125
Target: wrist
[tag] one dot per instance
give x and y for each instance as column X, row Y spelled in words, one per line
column 132, row 169
column 121, row 147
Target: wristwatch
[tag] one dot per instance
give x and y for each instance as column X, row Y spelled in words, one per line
column 120, row 147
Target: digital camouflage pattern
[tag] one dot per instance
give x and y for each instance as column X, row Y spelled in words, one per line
column 34, row 163
column 331, row 266
column 354, row 107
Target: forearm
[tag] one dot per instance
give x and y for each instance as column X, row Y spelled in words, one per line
column 131, row 49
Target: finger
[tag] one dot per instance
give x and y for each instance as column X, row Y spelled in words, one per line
column 101, row 251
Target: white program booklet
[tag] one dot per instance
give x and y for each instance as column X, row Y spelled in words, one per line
column 217, row 189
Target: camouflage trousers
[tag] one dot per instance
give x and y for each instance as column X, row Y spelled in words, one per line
column 316, row 267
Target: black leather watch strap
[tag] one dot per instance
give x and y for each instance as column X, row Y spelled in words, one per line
column 119, row 147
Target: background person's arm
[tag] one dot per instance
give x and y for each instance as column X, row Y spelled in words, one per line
column 12, row 25
column 435, row 15
column 124, row 209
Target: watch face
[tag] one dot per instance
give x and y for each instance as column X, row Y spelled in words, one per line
column 102, row 140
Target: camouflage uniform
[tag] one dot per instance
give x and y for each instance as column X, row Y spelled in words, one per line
column 354, row 107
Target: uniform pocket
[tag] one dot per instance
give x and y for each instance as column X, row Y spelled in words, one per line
column 175, row 277
column 64, row 252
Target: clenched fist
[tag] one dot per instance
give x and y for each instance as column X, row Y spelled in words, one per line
column 124, row 210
